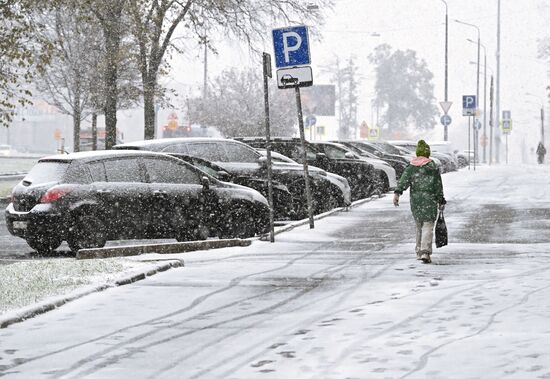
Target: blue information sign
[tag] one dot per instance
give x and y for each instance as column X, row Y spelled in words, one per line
column 469, row 105
column 291, row 46
column 446, row 120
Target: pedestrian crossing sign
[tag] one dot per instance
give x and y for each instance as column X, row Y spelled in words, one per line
column 374, row 133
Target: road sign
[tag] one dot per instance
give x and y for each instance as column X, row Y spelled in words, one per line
column 506, row 115
column 294, row 77
column 445, row 105
column 483, row 140
column 310, row 121
column 57, row 134
column 506, row 126
column 469, row 105
column 374, row 133
column 477, row 124
column 291, row 46
column 446, row 120
column 363, row 130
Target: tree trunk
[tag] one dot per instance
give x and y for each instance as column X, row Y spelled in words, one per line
column 94, row 131
column 76, row 116
column 149, row 87
column 112, row 35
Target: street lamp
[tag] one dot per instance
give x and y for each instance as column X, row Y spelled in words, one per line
column 477, row 81
column 541, row 115
column 484, row 99
column 445, row 127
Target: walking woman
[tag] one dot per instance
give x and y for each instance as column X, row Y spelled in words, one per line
column 423, row 177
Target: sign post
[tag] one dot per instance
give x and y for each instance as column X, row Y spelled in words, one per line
column 506, row 128
column 267, row 74
column 292, row 59
column 469, row 106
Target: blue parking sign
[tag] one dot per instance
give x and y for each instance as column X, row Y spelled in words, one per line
column 291, row 46
column 469, row 105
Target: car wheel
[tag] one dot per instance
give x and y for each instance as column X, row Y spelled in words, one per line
column 87, row 232
column 44, row 245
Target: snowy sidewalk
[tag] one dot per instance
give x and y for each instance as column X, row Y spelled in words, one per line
column 345, row 300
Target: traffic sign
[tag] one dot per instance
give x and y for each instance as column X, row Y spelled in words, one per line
column 374, row 133
column 483, row 140
column 310, row 121
column 446, row 120
column 57, row 134
column 363, row 130
column 294, row 77
column 291, row 46
column 506, row 115
column 469, row 105
column 477, row 124
column 446, row 105
column 506, row 126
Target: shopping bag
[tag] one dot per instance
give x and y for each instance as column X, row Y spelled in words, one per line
column 441, row 238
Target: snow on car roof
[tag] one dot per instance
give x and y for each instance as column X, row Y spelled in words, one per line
column 83, row 155
column 170, row 141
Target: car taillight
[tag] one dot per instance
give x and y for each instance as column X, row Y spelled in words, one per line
column 55, row 193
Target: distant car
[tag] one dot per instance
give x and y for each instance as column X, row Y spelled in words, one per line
column 359, row 174
column 88, row 198
column 384, row 173
column 239, row 159
column 343, row 196
column 6, row 150
column 408, row 148
column 364, row 150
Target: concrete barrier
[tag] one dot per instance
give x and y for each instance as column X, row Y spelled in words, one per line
column 161, row 248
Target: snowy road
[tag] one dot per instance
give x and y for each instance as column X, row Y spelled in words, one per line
column 346, row 300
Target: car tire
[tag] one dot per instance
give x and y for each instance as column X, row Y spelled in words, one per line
column 44, row 245
column 87, row 232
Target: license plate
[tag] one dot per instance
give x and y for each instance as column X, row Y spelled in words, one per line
column 20, row 224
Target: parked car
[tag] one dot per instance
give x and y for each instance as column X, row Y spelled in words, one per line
column 359, row 174
column 88, row 198
column 442, row 161
column 282, row 198
column 386, row 178
column 445, row 147
column 360, row 149
column 239, row 159
column 343, row 196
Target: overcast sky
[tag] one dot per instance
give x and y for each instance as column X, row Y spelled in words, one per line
column 419, row 25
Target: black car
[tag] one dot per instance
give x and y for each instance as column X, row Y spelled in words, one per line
column 363, row 148
column 91, row 197
column 240, row 160
column 281, row 195
column 360, row 174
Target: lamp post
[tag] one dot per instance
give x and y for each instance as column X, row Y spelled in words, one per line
column 445, row 128
column 477, row 80
column 541, row 115
column 484, row 100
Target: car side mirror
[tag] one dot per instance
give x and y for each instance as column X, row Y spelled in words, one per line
column 262, row 161
column 223, row 175
column 349, row 155
column 205, row 182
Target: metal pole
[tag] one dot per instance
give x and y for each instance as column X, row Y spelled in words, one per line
column 542, row 124
column 485, row 105
column 491, row 123
column 445, row 127
column 306, row 171
column 267, row 73
column 205, row 73
column 506, row 148
column 469, row 148
column 477, row 98
column 497, row 155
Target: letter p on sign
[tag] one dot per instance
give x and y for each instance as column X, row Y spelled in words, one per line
column 291, row 46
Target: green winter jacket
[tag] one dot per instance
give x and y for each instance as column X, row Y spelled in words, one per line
column 424, row 179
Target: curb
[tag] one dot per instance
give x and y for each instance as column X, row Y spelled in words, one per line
column 48, row 305
column 305, row 221
column 161, row 248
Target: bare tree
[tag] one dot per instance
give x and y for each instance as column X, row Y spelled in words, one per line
column 155, row 23
column 22, row 55
column 233, row 105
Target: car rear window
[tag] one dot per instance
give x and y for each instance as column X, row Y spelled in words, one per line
column 209, row 151
column 45, row 172
column 240, row 153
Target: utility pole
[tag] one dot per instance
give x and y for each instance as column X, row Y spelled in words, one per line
column 445, row 127
column 497, row 133
column 491, row 126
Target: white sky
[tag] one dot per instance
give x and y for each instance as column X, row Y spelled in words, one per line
column 419, row 25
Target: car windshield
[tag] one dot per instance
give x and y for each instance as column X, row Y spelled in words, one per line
column 46, row 172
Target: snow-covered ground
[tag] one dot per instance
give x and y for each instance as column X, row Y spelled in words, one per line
column 345, row 300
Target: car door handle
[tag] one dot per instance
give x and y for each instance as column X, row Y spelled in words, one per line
column 103, row 191
column 159, row 193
